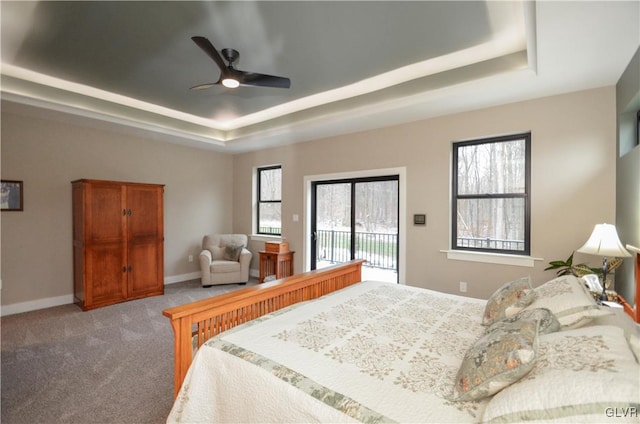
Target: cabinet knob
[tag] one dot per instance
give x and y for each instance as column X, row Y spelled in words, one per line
column 130, row 268
column 124, row 269
column 124, row 212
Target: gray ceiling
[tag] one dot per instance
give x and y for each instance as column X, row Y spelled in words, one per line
column 143, row 52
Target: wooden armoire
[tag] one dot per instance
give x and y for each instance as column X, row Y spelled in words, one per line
column 118, row 242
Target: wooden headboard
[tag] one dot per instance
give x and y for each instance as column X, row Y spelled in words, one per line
column 634, row 312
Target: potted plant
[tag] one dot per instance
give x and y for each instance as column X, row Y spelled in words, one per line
column 567, row 267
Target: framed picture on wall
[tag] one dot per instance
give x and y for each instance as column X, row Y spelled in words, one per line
column 11, row 195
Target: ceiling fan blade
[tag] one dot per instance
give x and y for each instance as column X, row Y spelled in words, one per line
column 210, row 50
column 203, row 86
column 263, row 80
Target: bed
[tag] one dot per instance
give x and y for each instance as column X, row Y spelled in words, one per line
column 324, row 346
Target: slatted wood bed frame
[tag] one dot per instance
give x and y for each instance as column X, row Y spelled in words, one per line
column 214, row 315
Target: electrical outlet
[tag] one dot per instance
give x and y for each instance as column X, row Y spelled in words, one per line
column 190, row 258
column 463, row 286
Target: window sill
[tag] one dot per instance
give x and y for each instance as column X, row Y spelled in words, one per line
column 491, row 258
column 265, row 237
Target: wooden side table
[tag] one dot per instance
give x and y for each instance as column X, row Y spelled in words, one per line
column 279, row 264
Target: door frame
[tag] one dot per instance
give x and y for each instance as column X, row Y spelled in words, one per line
column 402, row 210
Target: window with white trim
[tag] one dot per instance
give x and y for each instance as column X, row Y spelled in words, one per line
column 491, row 203
column 269, row 218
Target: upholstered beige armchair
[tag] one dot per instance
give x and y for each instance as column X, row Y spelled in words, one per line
column 224, row 259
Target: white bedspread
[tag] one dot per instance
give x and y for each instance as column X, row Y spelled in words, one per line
column 373, row 352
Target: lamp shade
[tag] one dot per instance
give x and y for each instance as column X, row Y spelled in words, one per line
column 604, row 241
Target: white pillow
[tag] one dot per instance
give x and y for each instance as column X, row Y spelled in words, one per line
column 569, row 300
column 583, row 375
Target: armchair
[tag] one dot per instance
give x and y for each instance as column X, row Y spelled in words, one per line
column 224, row 259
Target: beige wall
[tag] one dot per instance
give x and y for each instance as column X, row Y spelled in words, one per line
column 573, row 181
column 574, row 157
column 47, row 155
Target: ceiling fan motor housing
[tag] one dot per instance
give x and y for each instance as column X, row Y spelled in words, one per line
column 231, row 55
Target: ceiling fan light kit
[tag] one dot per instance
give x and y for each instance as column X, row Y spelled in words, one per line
column 231, row 77
column 230, row 82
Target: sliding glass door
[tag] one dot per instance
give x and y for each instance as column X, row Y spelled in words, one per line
column 356, row 219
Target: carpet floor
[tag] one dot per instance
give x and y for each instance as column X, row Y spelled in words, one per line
column 109, row 365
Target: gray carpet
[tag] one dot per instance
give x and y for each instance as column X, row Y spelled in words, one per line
column 109, row 365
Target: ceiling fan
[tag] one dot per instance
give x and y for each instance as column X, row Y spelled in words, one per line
column 231, row 77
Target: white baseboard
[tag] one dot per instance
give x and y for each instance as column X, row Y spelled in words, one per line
column 50, row 302
column 182, row 277
column 18, row 308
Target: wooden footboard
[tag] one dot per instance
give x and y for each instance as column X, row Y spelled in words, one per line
column 209, row 317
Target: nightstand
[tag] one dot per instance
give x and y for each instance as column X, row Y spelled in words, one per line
column 279, row 264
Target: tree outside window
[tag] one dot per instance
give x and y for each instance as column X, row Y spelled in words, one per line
column 491, row 194
column 269, row 200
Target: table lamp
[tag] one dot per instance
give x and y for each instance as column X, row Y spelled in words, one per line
column 604, row 241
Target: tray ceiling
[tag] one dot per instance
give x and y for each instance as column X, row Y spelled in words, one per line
column 353, row 65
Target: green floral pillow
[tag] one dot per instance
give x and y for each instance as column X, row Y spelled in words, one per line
column 508, row 300
column 498, row 359
column 547, row 322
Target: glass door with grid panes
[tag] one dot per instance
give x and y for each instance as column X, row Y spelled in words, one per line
column 356, row 219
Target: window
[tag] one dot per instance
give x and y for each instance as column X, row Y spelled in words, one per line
column 269, row 200
column 491, row 208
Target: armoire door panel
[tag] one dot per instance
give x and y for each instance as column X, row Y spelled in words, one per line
column 105, row 268
column 144, row 211
column 146, row 274
column 79, row 211
column 105, row 213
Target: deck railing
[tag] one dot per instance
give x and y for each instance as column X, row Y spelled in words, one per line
column 491, row 243
column 378, row 249
column 269, row 230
